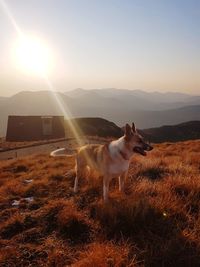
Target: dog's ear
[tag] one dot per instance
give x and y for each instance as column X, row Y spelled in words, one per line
column 133, row 127
column 127, row 130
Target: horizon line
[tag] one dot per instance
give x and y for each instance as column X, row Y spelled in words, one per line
column 106, row 88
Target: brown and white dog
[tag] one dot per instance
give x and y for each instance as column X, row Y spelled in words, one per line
column 109, row 160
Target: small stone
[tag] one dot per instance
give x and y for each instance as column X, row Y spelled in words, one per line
column 15, row 203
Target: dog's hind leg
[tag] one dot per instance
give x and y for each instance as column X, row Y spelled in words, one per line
column 78, row 173
column 80, row 169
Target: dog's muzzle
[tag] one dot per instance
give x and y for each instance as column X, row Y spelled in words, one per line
column 142, row 150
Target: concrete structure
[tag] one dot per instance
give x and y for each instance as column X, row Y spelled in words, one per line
column 32, row 128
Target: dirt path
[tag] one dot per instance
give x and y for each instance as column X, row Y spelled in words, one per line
column 45, row 148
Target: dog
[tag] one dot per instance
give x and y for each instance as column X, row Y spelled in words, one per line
column 109, row 160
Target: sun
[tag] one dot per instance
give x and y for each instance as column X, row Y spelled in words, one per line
column 32, row 55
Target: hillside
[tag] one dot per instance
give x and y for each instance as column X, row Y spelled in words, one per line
column 157, row 222
column 173, row 133
column 170, row 133
column 94, row 127
column 118, row 105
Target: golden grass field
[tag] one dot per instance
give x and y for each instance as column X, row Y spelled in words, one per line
column 156, row 223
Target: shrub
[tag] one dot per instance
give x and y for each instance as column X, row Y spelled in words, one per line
column 73, row 225
column 105, row 254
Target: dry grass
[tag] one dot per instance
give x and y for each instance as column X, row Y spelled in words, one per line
column 157, row 222
column 6, row 145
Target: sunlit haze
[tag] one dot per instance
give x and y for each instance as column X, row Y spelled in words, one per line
column 132, row 44
column 32, row 56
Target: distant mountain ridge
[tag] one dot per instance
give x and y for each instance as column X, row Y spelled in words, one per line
column 148, row 110
column 167, row 133
column 149, row 100
column 173, row 133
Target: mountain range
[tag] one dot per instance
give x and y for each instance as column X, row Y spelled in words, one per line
column 146, row 109
column 173, row 133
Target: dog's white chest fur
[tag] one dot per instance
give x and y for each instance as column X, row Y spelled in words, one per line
column 119, row 165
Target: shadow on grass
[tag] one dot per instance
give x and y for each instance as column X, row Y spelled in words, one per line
column 153, row 173
column 70, row 224
column 157, row 235
column 16, row 225
column 16, row 168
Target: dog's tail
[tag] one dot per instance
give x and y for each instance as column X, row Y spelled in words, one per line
column 63, row 152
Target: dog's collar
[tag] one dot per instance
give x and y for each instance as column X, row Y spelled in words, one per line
column 124, row 155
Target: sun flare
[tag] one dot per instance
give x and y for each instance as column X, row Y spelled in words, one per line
column 32, row 55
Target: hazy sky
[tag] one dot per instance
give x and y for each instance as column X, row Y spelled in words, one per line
column 134, row 44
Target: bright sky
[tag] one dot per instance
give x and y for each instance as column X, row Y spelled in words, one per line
column 133, row 44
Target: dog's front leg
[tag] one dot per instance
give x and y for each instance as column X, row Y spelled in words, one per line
column 76, row 185
column 106, row 182
column 122, row 179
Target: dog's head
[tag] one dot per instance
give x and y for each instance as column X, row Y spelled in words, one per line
column 134, row 141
